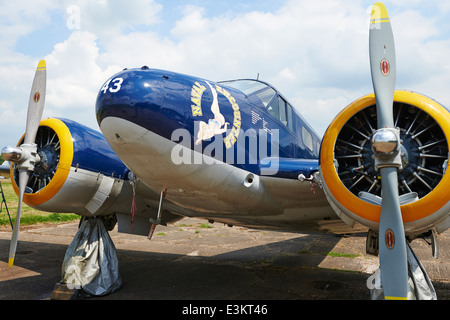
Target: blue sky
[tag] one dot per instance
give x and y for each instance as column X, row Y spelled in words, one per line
column 42, row 39
column 315, row 52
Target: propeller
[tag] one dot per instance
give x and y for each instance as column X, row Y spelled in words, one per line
column 386, row 147
column 26, row 155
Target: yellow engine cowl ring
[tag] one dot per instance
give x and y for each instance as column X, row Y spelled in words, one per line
column 61, row 172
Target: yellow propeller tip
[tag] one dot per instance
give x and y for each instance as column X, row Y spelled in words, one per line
column 10, row 262
column 379, row 13
column 42, row 65
column 395, row 298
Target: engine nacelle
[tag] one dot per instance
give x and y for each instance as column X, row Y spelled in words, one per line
column 352, row 183
column 78, row 172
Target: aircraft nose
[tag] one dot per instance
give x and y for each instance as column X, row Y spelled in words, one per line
column 143, row 96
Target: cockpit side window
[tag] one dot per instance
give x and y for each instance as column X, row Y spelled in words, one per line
column 266, row 96
column 259, row 92
column 282, row 107
column 290, row 119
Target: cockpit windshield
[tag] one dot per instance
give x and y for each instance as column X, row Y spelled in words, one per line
column 246, row 86
column 250, row 87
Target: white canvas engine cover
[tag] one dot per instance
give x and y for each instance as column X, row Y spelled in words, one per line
column 91, row 261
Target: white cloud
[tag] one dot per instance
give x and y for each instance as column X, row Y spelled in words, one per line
column 141, row 48
column 316, row 53
column 67, row 81
column 108, row 19
column 18, row 18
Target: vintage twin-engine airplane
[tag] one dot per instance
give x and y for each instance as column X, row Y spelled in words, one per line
column 237, row 152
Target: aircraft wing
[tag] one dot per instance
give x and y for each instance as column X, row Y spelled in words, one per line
column 5, row 170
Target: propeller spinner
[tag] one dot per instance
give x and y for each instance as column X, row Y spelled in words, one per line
column 26, row 155
column 386, row 144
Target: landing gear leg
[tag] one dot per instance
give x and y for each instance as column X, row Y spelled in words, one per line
column 372, row 243
column 431, row 239
column 158, row 218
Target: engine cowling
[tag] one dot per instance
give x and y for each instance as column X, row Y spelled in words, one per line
column 78, row 172
column 351, row 182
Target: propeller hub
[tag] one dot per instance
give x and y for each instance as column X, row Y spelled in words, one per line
column 29, row 157
column 12, row 154
column 385, row 143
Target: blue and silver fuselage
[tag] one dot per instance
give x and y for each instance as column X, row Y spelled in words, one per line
column 214, row 146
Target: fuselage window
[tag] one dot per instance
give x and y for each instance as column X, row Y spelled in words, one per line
column 307, row 138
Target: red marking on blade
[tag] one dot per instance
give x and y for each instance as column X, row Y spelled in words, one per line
column 37, row 97
column 385, row 67
column 389, row 239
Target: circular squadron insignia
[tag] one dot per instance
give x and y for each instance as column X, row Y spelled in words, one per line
column 385, row 67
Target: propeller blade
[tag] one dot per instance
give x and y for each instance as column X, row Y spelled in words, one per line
column 382, row 64
column 23, row 181
column 36, row 102
column 392, row 242
column 28, row 151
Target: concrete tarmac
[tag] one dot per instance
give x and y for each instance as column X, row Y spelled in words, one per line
column 195, row 260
